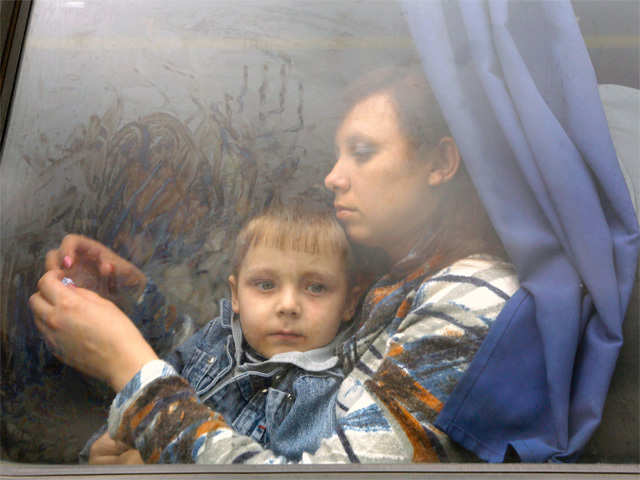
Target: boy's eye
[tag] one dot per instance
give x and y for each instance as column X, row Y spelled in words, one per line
column 264, row 285
column 317, row 288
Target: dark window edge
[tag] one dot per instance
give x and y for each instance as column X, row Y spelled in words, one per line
column 13, row 36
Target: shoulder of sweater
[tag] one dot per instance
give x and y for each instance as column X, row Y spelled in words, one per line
column 477, row 272
column 475, row 265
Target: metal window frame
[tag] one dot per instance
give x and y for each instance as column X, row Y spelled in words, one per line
column 14, row 16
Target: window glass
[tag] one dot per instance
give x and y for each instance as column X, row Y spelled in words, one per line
column 158, row 127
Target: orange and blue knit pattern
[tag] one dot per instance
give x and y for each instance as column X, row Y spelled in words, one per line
column 415, row 338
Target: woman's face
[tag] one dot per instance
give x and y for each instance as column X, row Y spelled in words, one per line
column 382, row 193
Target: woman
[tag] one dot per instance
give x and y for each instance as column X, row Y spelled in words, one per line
column 400, row 189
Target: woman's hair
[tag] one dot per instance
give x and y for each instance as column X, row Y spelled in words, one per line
column 295, row 227
column 460, row 226
column 417, row 108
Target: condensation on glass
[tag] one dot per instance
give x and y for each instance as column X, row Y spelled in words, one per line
column 157, row 128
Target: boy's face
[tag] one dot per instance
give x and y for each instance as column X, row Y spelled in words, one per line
column 289, row 300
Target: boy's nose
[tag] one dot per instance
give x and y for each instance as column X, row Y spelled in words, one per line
column 288, row 303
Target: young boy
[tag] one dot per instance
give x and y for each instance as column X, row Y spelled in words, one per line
column 268, row 362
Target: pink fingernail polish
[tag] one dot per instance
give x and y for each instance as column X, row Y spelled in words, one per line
column 66, row 261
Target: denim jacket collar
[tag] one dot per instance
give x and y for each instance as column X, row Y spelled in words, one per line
column 316, row 360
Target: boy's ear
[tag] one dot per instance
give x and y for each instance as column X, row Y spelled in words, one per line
column 234, row 294
column 351, row 303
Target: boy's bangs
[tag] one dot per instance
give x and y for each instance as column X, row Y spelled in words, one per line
column 314, row 237
column 296, row 229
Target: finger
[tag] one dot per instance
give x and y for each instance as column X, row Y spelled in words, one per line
column 68, row 249
column 105, row 445
column 74, row 246
column 123, row 447
column 53, row 260
column 105, row 460
column 105, row 267
column 40, row 307
column 112, row 284
column 50, row 286
column 131, row 457
column 105, row 450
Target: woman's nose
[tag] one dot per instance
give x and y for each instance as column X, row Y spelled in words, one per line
column 288, row 303
column 336, row 180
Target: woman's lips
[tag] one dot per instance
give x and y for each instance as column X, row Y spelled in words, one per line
column 343, row 213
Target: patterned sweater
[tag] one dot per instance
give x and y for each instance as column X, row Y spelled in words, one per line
column 413, row 342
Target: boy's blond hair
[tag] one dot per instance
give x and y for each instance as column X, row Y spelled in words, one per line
column 298, row 228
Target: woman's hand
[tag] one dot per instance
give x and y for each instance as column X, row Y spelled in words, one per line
column 107, row 451
column 88, row 332
column 93, row 266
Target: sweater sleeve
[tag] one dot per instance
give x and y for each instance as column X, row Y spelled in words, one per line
column 164, row 329
column 385, row 407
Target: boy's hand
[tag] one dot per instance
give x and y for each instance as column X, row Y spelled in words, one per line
column 107, row 451
column 88, row 332
column 93, row 266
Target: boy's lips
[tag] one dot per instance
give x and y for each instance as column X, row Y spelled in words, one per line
column 286, row 335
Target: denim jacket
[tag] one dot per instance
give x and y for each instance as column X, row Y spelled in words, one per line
column 268, row 400
column 286, row 403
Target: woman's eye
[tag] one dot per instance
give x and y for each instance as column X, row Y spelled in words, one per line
column 317, row 288
column 363, row 150
column 264, row 285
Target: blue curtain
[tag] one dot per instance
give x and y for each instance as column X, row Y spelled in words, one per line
column 519, row 92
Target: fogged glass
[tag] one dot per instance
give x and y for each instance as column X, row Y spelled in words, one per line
column 157, row 128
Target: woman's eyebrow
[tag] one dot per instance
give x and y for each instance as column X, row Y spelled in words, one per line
column 358, row 137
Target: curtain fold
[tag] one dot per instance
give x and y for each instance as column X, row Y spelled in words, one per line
column 516, row 85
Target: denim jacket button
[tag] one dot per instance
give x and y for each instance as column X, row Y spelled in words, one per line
column 211, row 360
